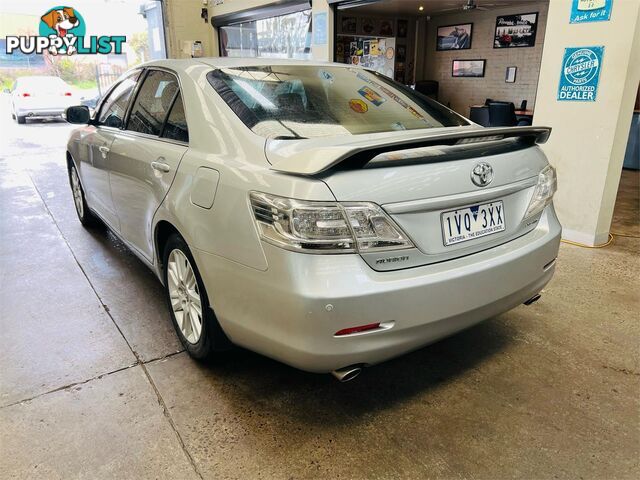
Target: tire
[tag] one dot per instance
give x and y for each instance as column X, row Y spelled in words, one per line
column 85, row 215
column 21, row 119
column 200, row 333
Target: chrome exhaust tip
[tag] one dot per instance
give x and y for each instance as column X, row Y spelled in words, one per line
column 533, row 299
column 347, row 373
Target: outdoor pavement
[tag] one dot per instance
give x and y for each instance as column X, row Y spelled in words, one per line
column 94, row 384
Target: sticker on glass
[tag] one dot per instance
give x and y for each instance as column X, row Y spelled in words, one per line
column 372, row 96
column 358, row 105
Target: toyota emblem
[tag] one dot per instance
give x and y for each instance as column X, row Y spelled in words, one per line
column 482, row 174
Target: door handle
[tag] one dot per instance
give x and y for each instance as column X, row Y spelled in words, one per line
column 160, row 167
column 103, row 150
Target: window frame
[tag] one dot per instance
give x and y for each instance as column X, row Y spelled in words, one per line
column 271, row 10
column 98, row 110
column 166, row 120
column 134, row 97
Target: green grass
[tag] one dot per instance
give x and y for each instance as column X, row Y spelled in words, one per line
column 84, row 84
column 81, row 84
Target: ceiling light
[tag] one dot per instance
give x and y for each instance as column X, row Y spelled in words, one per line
column 421, row 8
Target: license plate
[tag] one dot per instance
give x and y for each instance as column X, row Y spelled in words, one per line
column 472, row 222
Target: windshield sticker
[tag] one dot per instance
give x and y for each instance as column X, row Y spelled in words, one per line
column 372, row 96
column 363, row 77
column 391, row 94
column 415, row 113
column 326, row 76
column 358, row 105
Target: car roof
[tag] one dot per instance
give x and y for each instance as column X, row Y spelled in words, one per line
column 231, row 62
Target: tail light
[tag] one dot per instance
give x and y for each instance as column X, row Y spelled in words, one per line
column 67, row 94
column 25, row 94
column 543, row 193
column 325, row 227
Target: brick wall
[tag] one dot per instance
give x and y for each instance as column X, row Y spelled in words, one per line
column 460, row 93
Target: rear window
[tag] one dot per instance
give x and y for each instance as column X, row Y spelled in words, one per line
column 305, row 101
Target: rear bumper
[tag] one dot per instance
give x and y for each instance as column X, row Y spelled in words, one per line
column 292, row 310
column 40, row 112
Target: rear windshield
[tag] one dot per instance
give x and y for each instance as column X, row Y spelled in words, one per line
column 305, row 101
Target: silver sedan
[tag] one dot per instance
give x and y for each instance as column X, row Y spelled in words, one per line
column 320, row 214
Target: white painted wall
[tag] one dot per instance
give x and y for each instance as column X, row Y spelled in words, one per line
column 589, row 138
column 183, row 23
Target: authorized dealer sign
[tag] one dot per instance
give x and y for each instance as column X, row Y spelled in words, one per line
column 580, row 74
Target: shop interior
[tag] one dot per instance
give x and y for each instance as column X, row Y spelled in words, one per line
column 480, row 58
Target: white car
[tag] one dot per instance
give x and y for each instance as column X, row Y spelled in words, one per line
column 320, row 214
column 41, row 96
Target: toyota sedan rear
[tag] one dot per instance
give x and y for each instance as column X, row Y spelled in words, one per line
column 320, row 214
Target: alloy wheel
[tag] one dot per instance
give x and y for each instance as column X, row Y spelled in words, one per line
column 184, row 295
column 77, row 192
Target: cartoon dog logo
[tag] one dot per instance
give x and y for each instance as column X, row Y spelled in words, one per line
column 61, row 20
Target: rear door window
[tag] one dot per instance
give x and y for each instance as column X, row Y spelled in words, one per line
column 176, row 127
column 153, row 102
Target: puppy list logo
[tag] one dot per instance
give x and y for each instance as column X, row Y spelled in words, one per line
column 63, row 31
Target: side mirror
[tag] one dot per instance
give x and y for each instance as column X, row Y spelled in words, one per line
column 78, row 114
column 6, row 90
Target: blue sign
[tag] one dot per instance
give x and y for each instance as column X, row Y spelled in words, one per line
column 320, row 28
column 580, row 74
column 583, row 11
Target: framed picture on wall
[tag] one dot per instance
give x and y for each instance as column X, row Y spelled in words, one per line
column 516, row 30
column 349, row 25
column 468, row 68
column 454, row 37
column 510, row 75
column 386, row 28
column 401, row 53
column 403, row 26
column 368, row 26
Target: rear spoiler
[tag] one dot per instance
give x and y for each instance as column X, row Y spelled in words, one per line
column 314, row 156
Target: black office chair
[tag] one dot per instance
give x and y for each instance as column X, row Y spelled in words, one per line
column 503, row 114
column 428, row 88
column 480, row 115
column 488, row 101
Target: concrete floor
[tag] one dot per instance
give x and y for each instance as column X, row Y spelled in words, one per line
column 93, row 383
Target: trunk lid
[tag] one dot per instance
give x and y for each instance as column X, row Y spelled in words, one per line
column 417, row 180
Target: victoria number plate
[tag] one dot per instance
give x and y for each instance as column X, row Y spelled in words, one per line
column 472, row 222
